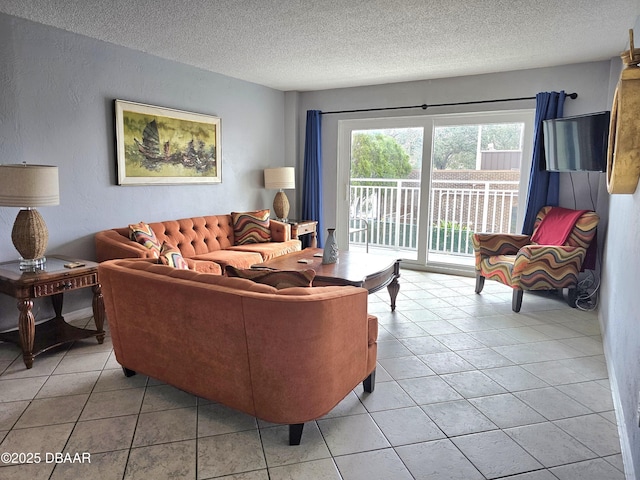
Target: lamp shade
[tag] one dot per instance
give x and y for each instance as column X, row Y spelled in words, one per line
column 23, row 185
column 280, row 178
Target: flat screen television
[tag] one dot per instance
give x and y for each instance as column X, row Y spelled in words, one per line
column 575, row 144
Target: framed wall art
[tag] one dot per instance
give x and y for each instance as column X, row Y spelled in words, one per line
column 162, row 146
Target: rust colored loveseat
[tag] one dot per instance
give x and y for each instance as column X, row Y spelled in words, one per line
column 207, row 243
column 286, row 356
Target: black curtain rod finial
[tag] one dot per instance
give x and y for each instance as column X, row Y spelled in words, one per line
column 572, row 96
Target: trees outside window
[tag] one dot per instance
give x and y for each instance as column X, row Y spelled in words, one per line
column 457, row 147
column 376, row 155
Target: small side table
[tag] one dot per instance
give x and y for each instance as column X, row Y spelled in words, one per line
column 52, row 281
column 304, row 227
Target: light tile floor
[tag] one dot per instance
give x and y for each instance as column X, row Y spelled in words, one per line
column 466, row 389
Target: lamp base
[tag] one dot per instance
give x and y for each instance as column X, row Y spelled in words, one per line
column 30, row 236
column 32, row 264
column 281, row 206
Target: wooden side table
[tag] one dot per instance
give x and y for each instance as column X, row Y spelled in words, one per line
column 52, row 281
column 304, row 227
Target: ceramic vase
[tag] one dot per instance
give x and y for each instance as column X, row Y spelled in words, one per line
column 330, row 254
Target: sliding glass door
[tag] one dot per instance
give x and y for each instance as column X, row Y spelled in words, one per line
column 418, row 187
column 475, row 183
column 384, row 189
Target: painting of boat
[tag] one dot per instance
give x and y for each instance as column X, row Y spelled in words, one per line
column 157, row 145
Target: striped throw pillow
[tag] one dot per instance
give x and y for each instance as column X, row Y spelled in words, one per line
column 251, row 227
column 276, row 278
column 170, row 255
column 144, row 235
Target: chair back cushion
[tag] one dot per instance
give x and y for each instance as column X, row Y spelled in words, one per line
column 583, row 231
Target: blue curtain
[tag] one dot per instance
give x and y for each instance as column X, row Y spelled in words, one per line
column 312, row 175
column 543, row 186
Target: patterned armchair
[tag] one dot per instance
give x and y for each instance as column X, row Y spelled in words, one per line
column 523, row 265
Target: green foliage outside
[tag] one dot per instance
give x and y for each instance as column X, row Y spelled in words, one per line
column 410, row 139
column 450, row 226
column 389, row 153
column 378, row 156
column 446, row 237
column 456, row 147
column 501, row 136
column 451, row 237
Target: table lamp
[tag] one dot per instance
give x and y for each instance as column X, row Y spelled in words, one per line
column 280, row 178
column 29, row 186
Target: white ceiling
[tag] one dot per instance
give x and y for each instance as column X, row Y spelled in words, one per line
column 319, row 44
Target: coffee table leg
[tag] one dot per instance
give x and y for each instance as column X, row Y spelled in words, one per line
column 26, row 330
column 394, row 286
column 98, row 311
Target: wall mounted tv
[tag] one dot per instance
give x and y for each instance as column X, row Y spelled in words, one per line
column 575, row 144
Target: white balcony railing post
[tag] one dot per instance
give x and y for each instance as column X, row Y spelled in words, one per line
column 485, row 207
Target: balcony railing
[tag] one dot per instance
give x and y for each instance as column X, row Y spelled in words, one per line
column 458, row 208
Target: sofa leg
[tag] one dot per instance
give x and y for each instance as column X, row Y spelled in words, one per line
column 516, row 300
column 369, row 383
column 479, row 283
column 127, row 372
column 295, row 433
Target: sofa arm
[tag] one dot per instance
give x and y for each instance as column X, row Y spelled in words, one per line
column 543, row 267
column 491, row 244
column 111, row 245
column 280, row 231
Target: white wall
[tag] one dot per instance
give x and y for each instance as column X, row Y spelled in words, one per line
column 56, row 107
column 594, row 82
column 619, row 311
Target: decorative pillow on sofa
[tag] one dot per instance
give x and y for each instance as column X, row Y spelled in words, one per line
column 144, row 235
column 170, row 255
column 251, row 227
column 279, row 279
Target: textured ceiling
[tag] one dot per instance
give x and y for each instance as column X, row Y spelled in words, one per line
column 319, row 44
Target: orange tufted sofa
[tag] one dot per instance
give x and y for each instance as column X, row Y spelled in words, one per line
column 285, row 356
column 207, row 243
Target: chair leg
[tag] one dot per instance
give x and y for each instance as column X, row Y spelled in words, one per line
column 295, row 433
column 479, row 283
column 516, row 300
column 369, row 383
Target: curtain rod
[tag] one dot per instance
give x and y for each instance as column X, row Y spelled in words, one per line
column 424, row 106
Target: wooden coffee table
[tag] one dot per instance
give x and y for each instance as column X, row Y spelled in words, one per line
column 353, row 268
